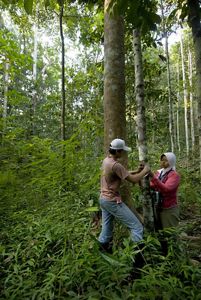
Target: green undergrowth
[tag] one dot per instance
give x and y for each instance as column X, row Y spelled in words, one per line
column 49, row 247
column 52, row 253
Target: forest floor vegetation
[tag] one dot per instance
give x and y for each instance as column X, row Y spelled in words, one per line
column 49, row 246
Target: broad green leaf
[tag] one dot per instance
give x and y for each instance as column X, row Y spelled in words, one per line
column 47, row 3
column 92, row 209
column 60, row 2
column 111, row 260
column 28, row 5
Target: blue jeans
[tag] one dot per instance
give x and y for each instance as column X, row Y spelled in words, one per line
column 111, row 210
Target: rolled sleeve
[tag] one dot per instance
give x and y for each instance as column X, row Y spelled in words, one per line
column 120, row 171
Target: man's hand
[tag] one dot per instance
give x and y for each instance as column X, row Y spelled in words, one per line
column 139, row 169
column 134, row 171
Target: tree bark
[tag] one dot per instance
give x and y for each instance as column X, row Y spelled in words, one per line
column 114, row 78
column 170, row 105
column 178, row 110
column 63, row 108
column 114, row 86
column 34, row 92
column 5, row 98
column 141, row 128
column 190, row 71
column 185, row 97
column 194, row 22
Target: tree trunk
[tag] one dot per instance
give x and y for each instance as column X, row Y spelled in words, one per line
column 141, row 128
column 114, row 86
column 170, row 105
column 63, row 108
column 34, row 92
column 178, row 110
column 5, row 98
column 194, row 21
column 114, row 78
column 185, row 97
column 190, row 71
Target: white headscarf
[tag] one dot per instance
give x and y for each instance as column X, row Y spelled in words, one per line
column 171, row 160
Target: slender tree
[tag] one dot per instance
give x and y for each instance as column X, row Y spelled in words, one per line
column 5, row 98
column 35, row 60
column 185, row 95
column 141, row 127
column 170, row 104
column 190, row 76
column 178, row 110
column 63, row 93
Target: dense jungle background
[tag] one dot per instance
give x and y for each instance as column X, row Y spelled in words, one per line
column 53, row 132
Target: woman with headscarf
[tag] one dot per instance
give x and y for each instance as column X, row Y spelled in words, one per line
column 166, row 182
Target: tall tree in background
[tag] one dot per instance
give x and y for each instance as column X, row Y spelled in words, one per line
column 194, row 22
column 190, row 76
column 178, row 110
column 185, row 95
column 35, row 60
column 5, row 84
column 170, row 104
column 5, row 97
column 63, row 92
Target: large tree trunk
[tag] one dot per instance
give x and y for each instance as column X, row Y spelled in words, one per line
column 114, row 86
column 141, row 128
column 114, row 79
column 194, row 21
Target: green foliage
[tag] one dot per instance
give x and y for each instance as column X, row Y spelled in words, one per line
column 51, row 254
column 48, row 242
column 28, row 5
column 189, row 191
column 141, row 14
column 180, row 12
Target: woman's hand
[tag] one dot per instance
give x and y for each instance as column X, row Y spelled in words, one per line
column 151, row 174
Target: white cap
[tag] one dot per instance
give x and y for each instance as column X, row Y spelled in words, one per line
column 119, row 144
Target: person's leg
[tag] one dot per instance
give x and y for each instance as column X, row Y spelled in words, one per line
column 107, row 223
column 128, row 218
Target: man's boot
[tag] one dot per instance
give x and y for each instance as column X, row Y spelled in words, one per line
column 106, row 247
column 139, row 262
